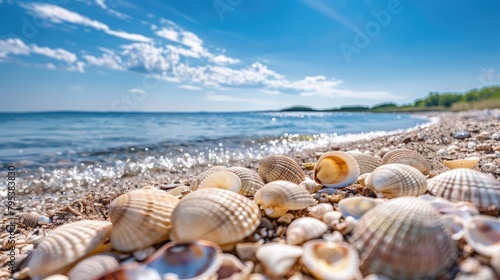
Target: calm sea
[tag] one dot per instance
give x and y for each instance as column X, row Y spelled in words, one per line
column 65, row 139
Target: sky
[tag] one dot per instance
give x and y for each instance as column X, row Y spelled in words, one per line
column 241, row 55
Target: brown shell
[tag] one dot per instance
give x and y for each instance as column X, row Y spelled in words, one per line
column 403, row 238
column 217, row 215
column 66, row 245
column 93, row 267
column 465, row 184
column 202, row 176
column 140, row 219
column 336, row 169
column 408, row 157
column 251, row 181
column 367, row 163
column 280, row 167
column 394, row 180
column 277, row 197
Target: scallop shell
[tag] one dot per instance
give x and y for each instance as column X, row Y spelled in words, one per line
column 222, row 180
column 217, row 215
column 357, row 206
column 467, row 185
column 193, row 260
column 277, row 197
column 140, row 219
column 280, row 167
column 336, row 170
column 437, row 202
column 462, row 163
column 304, row 229
column 408, row 157
column 310, row 185
column 403, row 238
column 250, row 180
column 482, row 233
column 195, row 183
column 319, row 210
column 93, row 267
column 331, row 260
column 394, row 180
column 66, row 245
column 367, row 163
column 278, row 258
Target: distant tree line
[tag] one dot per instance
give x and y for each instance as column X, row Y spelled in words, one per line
column 448, row 99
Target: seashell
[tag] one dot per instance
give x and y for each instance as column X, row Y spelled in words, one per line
column 246, row 250
column 56, row 277
column 325, row 191
column 310, row 185
column 193, row 260
column 468, row 207
column 471, row 269
column 408, row 157
column 456, row 212
column 93, row 267
column 286, row 218
column 403, row 238
column 336, row 170
column 277, row 258
column 33, row 219
column 66, row 245
column 133, row 271
column 140, row 219
column 331, row 260
column 280, row 167
column 195, row 183
column 332, row 217
column 357, row 206
column 335, row 236
column 177, row 191
column 437, row 202
column 394, row 180
column 233, row 269
column 319, row 210
column 367, row 163
column 304, row 229
column 143, row 254
column 467, row 185
column 362, row 179
column 250, row 180
column 495, row 262
column 470, row 163
column 217, row 215
column 347, row 225
column 277, row 197
column 222, row 180
column 482, row 233
column 376, row 277
column 455, row 225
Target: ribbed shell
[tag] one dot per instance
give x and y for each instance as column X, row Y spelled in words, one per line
column 29, row 219
column 408, row 157
column 403, row 238
column 394, row 180
column 277, row 197
column 304, row 229
column 67, row 244
column 140, row 219
column 336, row 170
column 280, row 167
column 318, row 211
column 93, row 267
column 217, row 215
column 464, row 184
column 367, row 163
column 222, row 180
column 310, row 185
column 202, row 176
column 251, row 181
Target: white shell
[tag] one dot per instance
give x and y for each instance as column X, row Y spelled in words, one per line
column 455, row 225
column 437, row 202
column 482, row 233
column 93, row 267
column 278, row 258
column 394, row 180
column 336, row 170
column 332, row 217
column 317, row 211
column 356, row 206
column 495, row 262
column 233, row 269
column 304, row 229
column 331, row 260
column 222, row 180
column 310, row 185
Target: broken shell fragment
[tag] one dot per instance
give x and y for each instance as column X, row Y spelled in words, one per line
column 336, row 170
column 280, row 167
column 455, row 225
column 222, row 180
column 304, row 229
column 394, row 180
column 277, row 258
column 232, row 268
column 408, row 157
column 482, row 233
column 356, row 206
column 470, row 163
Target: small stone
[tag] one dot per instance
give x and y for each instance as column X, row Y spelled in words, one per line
column 442, row 152
column 485, row 135
column 484, row 147
column 461, row 134
column 495, row 136
column 453, row 148
column 471, row 145
column 246, row 251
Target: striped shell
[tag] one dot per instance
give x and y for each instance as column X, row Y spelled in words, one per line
column 66, row 245
column 251, row 181
column 394, row 180
column 195, row 183
column 140, row 219
column 336, row 170
column 277, row 197
column 403, row 238
column 304, row 229
column 310, row 185
column 33, row 219
column 93, row 267
column 217, row 215
column 408, row 157
column 222, row 180
column 464, row 184
column 318, row 211
column 280, row 167
column 482, row 233
column 367, row 163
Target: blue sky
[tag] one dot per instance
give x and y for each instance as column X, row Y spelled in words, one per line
column 232, row 55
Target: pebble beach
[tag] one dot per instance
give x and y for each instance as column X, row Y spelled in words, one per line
column 41, row 208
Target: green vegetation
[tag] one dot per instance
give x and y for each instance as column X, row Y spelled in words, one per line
column 487, row 97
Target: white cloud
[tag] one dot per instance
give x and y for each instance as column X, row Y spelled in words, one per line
column 101, row 4
column 50, row 66
column 58, row 14
column 107, row 59
column 223, row 60
column 167, row 33
column 189, row 87
column 13, row 46
column 137, row 91
column 78, row 67
column 271, row 92
column 76, row 88
column 58, row 53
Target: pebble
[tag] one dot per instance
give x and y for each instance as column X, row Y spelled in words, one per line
column 471, row 145
column 495, row 136
column 441, row 152
column 484, row 147
column 485, row 135
column 461, row 134
column 453, row 148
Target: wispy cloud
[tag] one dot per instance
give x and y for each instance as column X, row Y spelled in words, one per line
column 18, row 47
column 60, row 15
column 189, row 87
column 322, row 7
column 101, row 4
